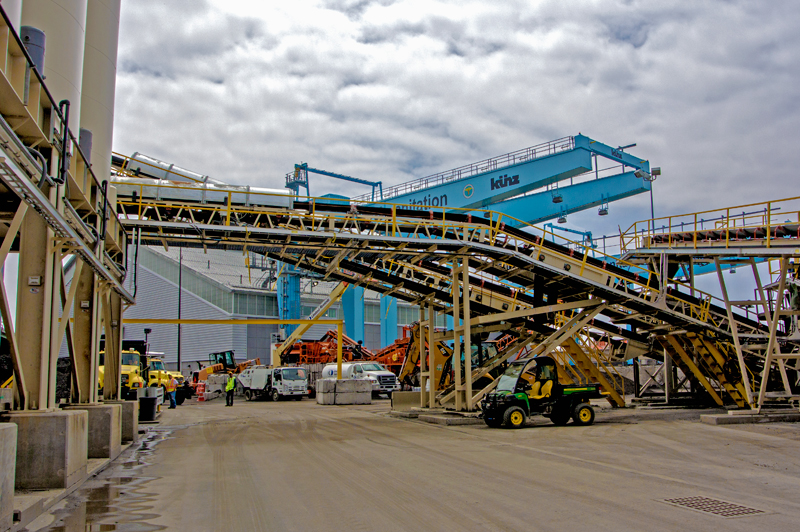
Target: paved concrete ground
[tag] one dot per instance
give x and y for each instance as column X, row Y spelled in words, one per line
column 298, row 466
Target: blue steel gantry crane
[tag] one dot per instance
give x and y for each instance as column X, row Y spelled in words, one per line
column 525, row 185
column 299, row 178
column 508, row 183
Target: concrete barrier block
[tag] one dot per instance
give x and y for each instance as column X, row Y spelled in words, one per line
column 346, row 398
column 8, row 457
column 744, row 419
column 130, row 420
column 346, row 386
column 363, row 398
column 362, row 386
column 328, row 398
column 405, row 401
column 104, row 429
column 52, row 448
column 326, row 385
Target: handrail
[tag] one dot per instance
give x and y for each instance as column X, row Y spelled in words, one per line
column 462, row 172
column 769, row 215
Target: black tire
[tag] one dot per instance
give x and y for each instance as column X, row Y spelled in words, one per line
column 248, row 395
column 274, row 395
column 560, row 416
column 583, row 414
column 493, row 422
column 514, row 418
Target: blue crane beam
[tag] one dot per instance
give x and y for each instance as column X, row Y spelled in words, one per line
column 492, row 181
column 539, row 207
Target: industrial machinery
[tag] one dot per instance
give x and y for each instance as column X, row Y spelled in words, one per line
column 221, row 362
column 531, row 386
column 323, row 351
column 275, row 383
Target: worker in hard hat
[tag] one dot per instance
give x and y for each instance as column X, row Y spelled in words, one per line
column 172, row 390
column 230, row 386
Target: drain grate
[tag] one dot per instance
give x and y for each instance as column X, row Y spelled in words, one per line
column 714, row 506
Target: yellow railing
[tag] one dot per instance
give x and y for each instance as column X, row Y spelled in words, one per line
column 731, row 223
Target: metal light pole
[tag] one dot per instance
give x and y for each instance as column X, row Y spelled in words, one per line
column 652, row 178
column 180, row 293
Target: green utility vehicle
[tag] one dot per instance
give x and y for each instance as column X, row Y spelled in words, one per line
column 531, row 386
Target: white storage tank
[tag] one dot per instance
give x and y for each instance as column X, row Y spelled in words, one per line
column 64, row 24
column 99, row 80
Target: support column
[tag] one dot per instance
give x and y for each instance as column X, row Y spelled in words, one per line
column 667, row 376
column 113, row 363
column 353, row 307
column 388, row 320
column 85, row 337
column 424, row 354
column 34, row 300
column 432, row 359
column 467, row 332
column 457, row 332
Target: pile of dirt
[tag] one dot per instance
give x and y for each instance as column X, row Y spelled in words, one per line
column 63, row 378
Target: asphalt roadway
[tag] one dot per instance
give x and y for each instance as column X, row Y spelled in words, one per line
column 299, row 466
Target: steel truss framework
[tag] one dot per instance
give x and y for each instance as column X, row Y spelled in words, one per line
column 768, row 232
column 478, row 269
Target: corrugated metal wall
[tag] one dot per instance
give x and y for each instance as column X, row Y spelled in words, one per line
column 158, row 298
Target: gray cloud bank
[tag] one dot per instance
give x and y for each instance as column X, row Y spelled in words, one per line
column 393, row 90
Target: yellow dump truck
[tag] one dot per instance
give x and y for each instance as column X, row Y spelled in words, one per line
column 131, row 373
column 157, row 374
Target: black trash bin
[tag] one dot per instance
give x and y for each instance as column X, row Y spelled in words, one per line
column 147, row 408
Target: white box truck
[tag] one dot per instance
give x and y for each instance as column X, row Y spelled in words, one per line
column 383, row 380
column 274, row 383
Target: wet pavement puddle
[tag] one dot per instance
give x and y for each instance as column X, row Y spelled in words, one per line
column 116, row 499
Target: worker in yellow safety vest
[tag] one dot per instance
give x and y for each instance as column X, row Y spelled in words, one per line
column 172, row 389
column 230, row 386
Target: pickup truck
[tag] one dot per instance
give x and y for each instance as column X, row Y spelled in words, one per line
column 383, row 380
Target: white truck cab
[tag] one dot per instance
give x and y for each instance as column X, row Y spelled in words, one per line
column 275, row 383
column 383, row 380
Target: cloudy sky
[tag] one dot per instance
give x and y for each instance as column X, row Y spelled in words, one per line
column 392, row 90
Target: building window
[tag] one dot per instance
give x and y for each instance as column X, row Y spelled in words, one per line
column 407, row 315
column 372, row 313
